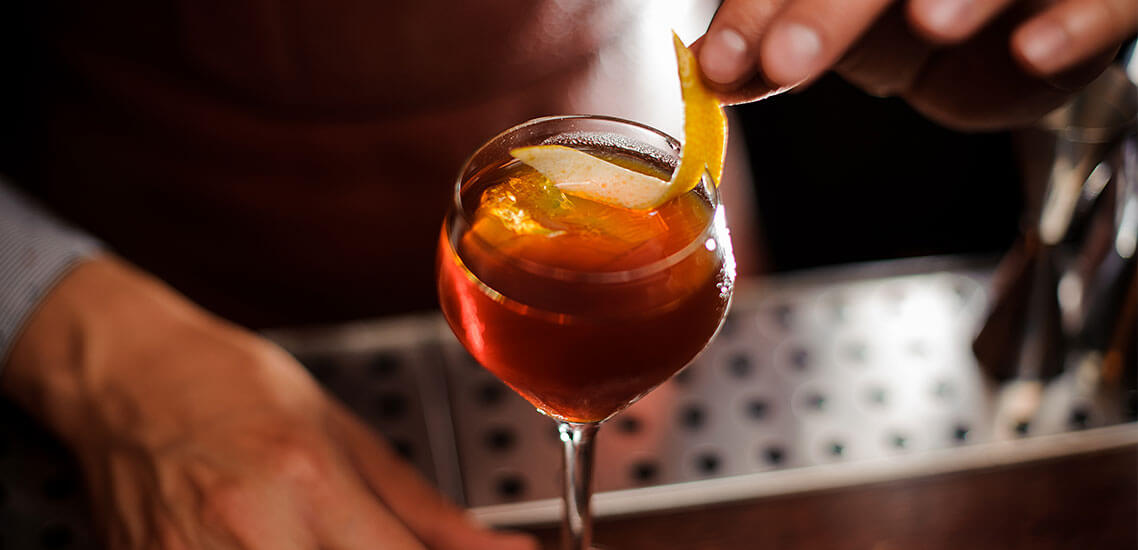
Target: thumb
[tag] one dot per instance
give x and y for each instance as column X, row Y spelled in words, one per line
column 751, row 87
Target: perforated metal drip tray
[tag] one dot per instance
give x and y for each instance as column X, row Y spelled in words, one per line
column 839, row 377
column 829, row 378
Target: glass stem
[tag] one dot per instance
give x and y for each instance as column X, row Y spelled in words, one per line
column 577, row 523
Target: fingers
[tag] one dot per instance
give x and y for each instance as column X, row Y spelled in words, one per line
column 754, row 48
column 751, row 89
column 887, row 60
column 437, row 522
column 728, row 52
column 300, row 494
column 953, row 20
column 792, row 44
column 1073, row 31
column 355, row 520
column 811, row 35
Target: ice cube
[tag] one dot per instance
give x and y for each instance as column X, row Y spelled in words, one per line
column 572, row 232
column 517, row 205
column 606, row 227
column 587, row 176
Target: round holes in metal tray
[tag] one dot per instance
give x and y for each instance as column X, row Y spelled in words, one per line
column 804, row 375
column 381, row 385
column 817, row 374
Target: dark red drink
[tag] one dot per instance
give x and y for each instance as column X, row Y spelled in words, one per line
column 581, row 307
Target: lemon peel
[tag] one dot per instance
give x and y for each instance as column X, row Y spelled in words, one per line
column 580, row 174
column 705, row 127
column 583, row 175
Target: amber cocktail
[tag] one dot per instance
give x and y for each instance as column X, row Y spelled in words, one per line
column 581, row 307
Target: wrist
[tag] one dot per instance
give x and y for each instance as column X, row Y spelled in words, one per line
column 64, row 365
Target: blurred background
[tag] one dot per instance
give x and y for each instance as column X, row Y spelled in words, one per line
column 861, row 178
column 912, row 362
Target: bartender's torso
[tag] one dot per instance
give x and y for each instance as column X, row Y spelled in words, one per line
column 290, row 162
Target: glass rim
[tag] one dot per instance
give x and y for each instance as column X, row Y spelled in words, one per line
column 589, row 276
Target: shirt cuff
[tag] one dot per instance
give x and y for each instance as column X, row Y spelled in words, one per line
column 36, row 251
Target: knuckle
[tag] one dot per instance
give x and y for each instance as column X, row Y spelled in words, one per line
column 1119, row 16
column 294, row 461
column 749, row 18
column 225, row 503
column 515, row 541
column 168, row 537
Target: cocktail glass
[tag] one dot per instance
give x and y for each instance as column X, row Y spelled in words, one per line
column 581, row 308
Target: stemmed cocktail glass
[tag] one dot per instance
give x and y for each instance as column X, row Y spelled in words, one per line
column 580, row 307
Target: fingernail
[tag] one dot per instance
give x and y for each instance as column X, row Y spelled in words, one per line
column 791, row 53
column 944, row 16
column 1042, row 45
column 723, row 56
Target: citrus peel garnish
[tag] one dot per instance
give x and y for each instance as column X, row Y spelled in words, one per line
column 705, row 127
column 580, row 174
column 583, row 175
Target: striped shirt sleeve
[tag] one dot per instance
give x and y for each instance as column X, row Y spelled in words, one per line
column 36, row 251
